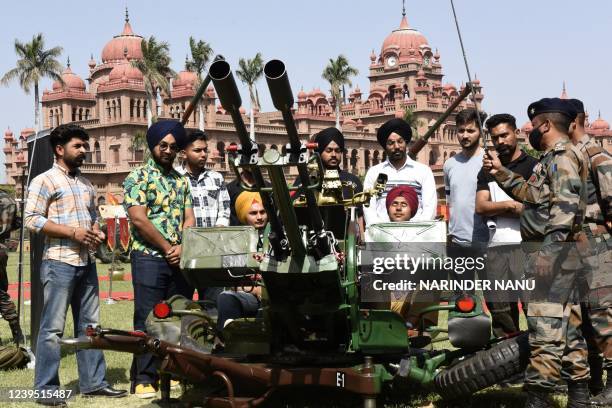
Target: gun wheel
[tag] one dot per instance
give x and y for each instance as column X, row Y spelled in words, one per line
column 484, row 369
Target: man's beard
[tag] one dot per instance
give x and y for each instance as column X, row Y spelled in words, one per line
column 505, row 153
column 75, row 161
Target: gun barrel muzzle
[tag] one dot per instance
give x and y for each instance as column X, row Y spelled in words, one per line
column 278, row 82
column 225, row 85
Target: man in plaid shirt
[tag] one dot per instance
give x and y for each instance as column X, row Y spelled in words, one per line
column 211, row 201
column 61, row 205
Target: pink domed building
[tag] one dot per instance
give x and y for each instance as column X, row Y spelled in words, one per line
column 110, row 102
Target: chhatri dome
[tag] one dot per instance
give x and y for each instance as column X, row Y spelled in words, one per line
column 600, row 124
column 71, row 80
column 114, row 50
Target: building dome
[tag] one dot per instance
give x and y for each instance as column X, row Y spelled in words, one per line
column 71, row 81
column 115, row 49
column 125, row 72
column 185, row 79
column 404, row 38
column 527, row 127
column 600, row 124
column 302, row 95
column 8, row 134
column 242, row 110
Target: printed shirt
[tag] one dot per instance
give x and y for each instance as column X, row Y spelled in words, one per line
column 165, row 196
column 211, row 200
column 414, row 174
column 66, row 199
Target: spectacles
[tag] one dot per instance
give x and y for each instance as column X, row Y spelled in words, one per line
column 163, row 146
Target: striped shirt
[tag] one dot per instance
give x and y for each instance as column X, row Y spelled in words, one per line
column 66, row 199
column 211, row 200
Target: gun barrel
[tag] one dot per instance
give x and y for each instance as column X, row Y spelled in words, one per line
column 198, row 95
column 282, row 97
column 419, row 144
column 221, row 75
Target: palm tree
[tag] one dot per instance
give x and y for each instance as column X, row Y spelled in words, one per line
column 155, row 68
column 139, row 143
column 34, row 64
column 338, row 72
column 250, row 71
column 411, row 119
column 201, row 52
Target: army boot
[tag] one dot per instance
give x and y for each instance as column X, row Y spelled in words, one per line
column 604, row 399
column 577, row 394
column 538, row 399
column 16, row 331
column 596, row 384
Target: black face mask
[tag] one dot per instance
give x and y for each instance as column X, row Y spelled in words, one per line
column 535, row 138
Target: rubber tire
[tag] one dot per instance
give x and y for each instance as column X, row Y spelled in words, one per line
column 484, row 369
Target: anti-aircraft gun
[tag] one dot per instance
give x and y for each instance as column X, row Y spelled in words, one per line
column 313, row 329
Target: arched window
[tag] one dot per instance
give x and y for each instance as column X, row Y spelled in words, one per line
column 74, row 114
column 86, row 114
column 354, row 157
column 80, row 113
column 221, row 149
column 375, row 159
column 366, row 158
column 274, row 147
column 114, row 105
column 97, row 153
column 261, row 149
column 345, row 161
column 87, row 153
column 391, row 94
column 432, row 158
column 138, row 108
column 452, row 154
column 108, row 110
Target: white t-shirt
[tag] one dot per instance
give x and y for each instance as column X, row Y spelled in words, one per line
column 508, row 229
column 414, row 174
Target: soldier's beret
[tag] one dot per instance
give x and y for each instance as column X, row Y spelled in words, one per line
column 399, row 126
column 577, row 104
column 550, row 105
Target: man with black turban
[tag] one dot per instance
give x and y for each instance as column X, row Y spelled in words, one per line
column 159, row 203
column 394, row 136
column 330, row 145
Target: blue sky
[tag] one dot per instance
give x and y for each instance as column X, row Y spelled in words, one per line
column 520, row 50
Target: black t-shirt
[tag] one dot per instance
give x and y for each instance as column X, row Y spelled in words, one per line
column 523, row 165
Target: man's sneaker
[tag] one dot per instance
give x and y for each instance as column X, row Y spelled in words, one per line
column 145, row 391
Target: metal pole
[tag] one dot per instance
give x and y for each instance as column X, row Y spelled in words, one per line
column 20, row 283
column 110, row 300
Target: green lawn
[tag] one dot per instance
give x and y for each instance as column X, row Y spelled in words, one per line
column 119, row 316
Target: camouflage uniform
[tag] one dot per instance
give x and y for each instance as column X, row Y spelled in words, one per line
column 598, row 310
column 554, row 200
column 8, row 209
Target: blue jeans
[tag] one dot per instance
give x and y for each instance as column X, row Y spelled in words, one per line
column 234, row 305
column 77, row 286
column 153, row 281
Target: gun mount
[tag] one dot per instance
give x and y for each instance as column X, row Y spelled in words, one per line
column 313, row 328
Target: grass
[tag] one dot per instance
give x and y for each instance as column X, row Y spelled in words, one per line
column 119, row 316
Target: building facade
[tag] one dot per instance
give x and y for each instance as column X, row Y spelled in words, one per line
column 405, row 75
